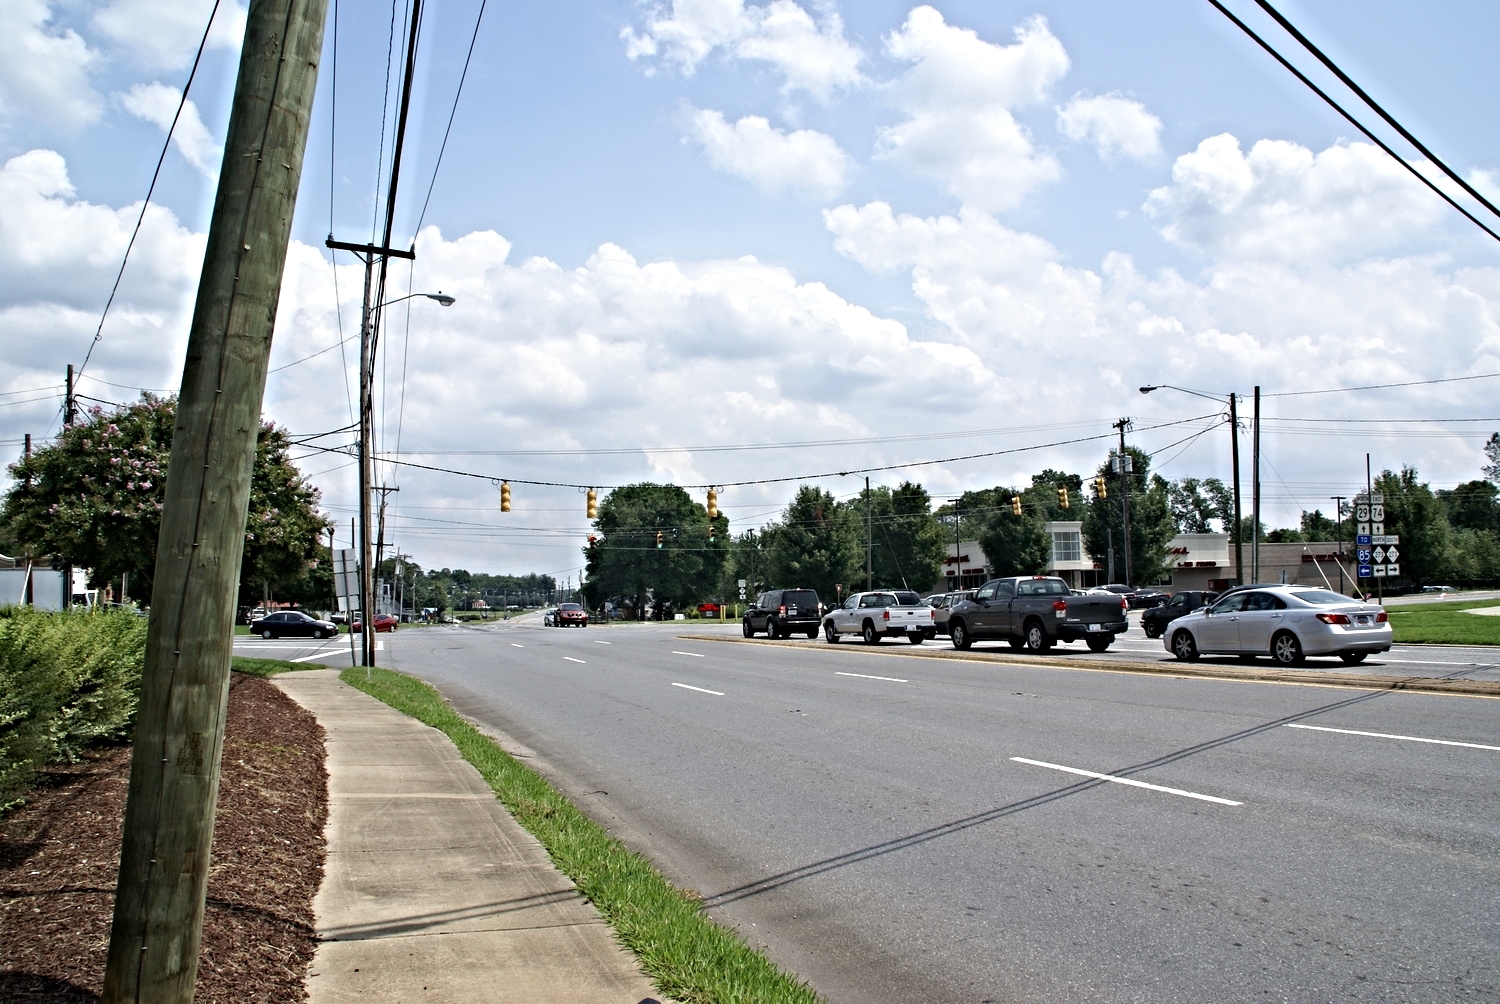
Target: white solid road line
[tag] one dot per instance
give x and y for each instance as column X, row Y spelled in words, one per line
column 695, row 655
column 317, row 655
column 514, row 645
column 863, row 676
column 1386, row 735
column 598, row 642
column 1125, row 780
column 571, row 659
column 684, row 686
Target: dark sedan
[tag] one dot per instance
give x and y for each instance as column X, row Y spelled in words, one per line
column 292, row 624
column 1155, row 620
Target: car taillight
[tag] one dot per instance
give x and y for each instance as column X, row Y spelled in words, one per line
column 885, row 615
column 783, row 610
column 1381, row 618
column 1124, row 603
column 933, row 613
column 1334, row 618
column 1059, row 604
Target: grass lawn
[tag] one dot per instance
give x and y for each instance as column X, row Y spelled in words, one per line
column 1445, row 624
column 689, row 956
column 268, row 667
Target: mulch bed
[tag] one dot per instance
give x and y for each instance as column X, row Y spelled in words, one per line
column 59, row 854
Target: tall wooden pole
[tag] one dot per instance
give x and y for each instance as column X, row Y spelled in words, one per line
column 174, row 772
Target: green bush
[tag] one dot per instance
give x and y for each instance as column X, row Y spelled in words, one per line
column 68, row 681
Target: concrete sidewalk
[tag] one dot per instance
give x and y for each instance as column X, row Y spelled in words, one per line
column 432, row 891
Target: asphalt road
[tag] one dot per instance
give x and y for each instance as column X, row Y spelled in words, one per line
column 900, row 829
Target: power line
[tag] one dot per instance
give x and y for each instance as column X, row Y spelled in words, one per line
column 478, row 18
column 1380, row 386
column 1355, row 122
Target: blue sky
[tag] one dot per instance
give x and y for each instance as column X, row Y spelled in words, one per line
column 716, row 223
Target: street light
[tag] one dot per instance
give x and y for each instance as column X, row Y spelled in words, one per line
column 367, row 345
column 1234, row 454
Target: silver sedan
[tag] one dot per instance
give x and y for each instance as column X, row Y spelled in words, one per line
column 1288, row 623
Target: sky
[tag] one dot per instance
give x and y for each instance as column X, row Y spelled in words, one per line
column 755, row 245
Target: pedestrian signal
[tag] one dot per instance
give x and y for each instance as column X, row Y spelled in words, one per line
column 592, row 509
column 713, row 504
column 1015, row 504
column 505, row 496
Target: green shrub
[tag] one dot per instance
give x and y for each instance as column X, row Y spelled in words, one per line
column 68, row 681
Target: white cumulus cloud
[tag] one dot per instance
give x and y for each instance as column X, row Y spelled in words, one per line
column 959, row 96
column 813, row 56
column 164, row 36
column 774, row 161
column 1116, row 125
column 44, row 72
column 1282, row 201
column 157, row 103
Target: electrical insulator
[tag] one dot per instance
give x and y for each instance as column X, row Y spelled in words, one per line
column 713, row 504
column 505, row 496
column 658, row 538
column 1099, row 488
column 592, row 508
column 1015, row 504
column 1062, row 497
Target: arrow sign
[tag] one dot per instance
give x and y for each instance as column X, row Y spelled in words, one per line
column 1393, row 570
column 1365, row 571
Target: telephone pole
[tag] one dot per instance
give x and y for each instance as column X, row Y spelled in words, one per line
column 174, row 769
column 70, row 401
column 869, row 543
column 1125, row 468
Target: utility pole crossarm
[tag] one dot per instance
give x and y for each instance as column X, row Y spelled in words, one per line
column 371, row 249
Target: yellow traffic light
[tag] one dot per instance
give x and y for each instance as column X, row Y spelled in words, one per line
column 505, row 496
column 1015, row 504
column 658, row 538
column 713, row 504
column 592, row 510
column 1062, row 497
column 710, row 531
column 1100, row 490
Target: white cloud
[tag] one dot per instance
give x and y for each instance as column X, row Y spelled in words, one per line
column 157, row 103
column 44, row 73
column 813, row 57
column 1282, row 202
column 164, row 36
column 959, row 96
column 774, row 161
column 1115, row 125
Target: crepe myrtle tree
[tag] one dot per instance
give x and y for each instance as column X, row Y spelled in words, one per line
column 93, row 498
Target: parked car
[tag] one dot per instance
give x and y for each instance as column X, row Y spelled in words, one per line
column 570, row 615
column 780, row 613
column 1035, row 612
column 1437, row 589
column 292, row 624
column 944, row 608
column 549, row 617
column 886, row 613
column 383, row 622
column 1155, row 620
column 1288, row 623
column 1148, row 599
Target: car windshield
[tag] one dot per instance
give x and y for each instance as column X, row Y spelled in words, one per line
column 1322, row 597
column 570, row 606
column 804, row 599
column 908, row 599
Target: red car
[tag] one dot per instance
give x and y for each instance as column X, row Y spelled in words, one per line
column 383, row 622
column 570, row 615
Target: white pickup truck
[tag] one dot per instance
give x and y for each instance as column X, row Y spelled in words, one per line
column 896, row 613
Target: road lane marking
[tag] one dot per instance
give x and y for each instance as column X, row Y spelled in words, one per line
column 1386, row 735
column 598, row 642
column 695, row 655
column 684, row 686
column 863, row 676
column 571, row 659
column 317, row 655
column 514, row 645
column 1125, row 780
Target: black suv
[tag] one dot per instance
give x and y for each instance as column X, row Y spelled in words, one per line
column 1154, row 621
column 780, row 612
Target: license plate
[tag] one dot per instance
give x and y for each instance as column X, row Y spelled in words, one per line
column 1096, row 627
column 1362, row 619
column 913, row 628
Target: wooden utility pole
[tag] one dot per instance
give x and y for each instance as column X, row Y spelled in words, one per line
column 174, row 771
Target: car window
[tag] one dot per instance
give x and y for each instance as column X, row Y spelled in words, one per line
column 869, row 600
column 802, row 599
column 987, row 591
column 1264, row 601
column 888, row 600
column 1180, row 601
column 908, row 599
column 1321, row 597
column 1230, row 604
column 851, row 603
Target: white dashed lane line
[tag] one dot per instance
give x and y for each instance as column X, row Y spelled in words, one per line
column 1385, row 735
column 1125, row 780
column 598, row 642
column 514, row 645
column 684, row 686
column 695, row 655
column 864, row 676
column 571, row 659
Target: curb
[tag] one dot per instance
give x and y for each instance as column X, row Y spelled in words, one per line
column 1415, row 684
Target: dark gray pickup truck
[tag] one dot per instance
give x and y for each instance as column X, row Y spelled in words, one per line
column 1036, row 612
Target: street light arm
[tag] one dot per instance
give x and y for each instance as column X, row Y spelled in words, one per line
column 439, row 296
column 1196, row 393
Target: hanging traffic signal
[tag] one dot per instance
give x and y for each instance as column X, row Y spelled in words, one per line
column 710, row 531
column 713, row 504
column 1100, row 491
column 1015, row 504
column 1062, row 497
column 593, row 540
column 505, row 496
column 592, row 509
column 658, row 538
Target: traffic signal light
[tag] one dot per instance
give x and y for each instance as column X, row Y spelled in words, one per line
column 505, row 496
column 593, row 540
column 658, row 538
column 1100, row 491
column 710, row 531
column 713, row 504
column 592, row 510
column 1015, row 504
column 1062, row 497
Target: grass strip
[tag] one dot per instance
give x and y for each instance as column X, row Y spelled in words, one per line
column 690, row 957
column 269, row 667
column 1444, row 624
